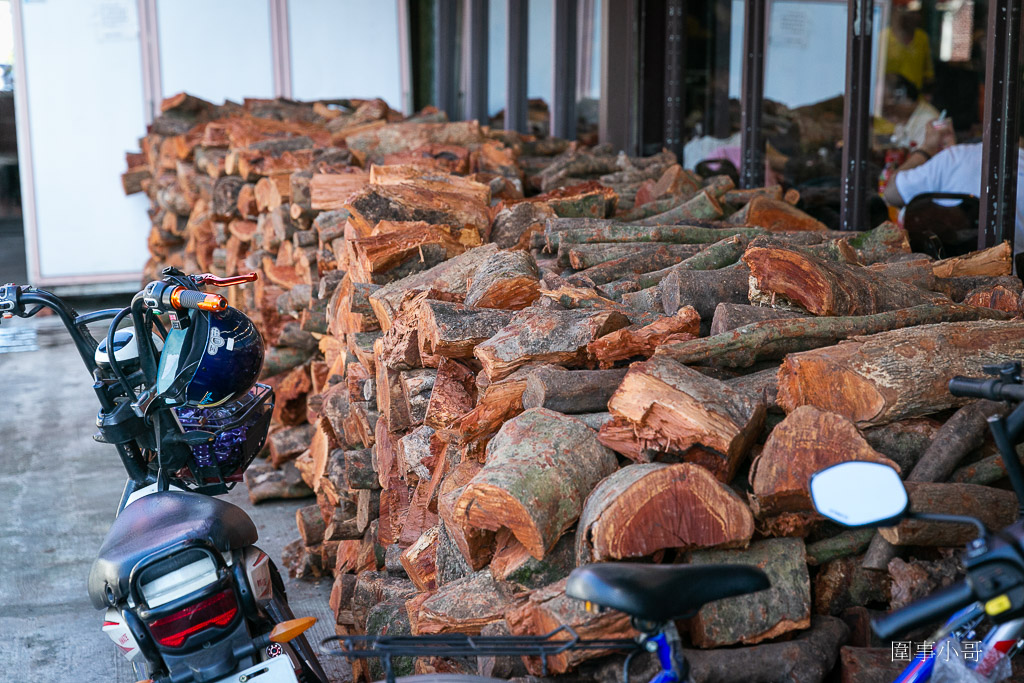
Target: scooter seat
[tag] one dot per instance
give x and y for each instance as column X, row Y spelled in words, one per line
column 660, row 593
column 158, row 521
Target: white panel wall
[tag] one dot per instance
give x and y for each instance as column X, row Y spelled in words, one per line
column 345, row 48
column 81, row 96
column 216, row 50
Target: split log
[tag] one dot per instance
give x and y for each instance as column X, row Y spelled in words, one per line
column 642, row 341
column 508, row 280
column 513, row 563
column 807, row 441
column 545, row 336
column 500, row 401
column 449, row 277
column 749, row 619
column 514, row 223
column 677, row 407
column 454, row 394
column 992, row 262
column 958, row 288
column 419, row 560
column 995, row 508
column 287, row 443
column 641, row 509
column 540, row 467
column 359, row 472
column 904, row 441
column 311, row 524
column 777, row 215
column 571, row 391
column 774, row 339
column 546, row 609
column 844, row 583
column 453, row 330
column 473, row 547
column 781, row 274
column 998, row 297
column 897, row 374
column 464, row 606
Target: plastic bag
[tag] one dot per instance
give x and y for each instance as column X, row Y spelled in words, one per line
column 956, row 666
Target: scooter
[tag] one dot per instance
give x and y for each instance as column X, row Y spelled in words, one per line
column 187, row 595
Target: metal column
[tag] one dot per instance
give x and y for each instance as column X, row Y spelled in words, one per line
column 856, row 116
column 752, row 98
column 563, row 97
column 675, row 77
column 717, row 119
column 446, row 76
column 516, row 98
column 1002, row 127
column 475, row 58
column 618, row 106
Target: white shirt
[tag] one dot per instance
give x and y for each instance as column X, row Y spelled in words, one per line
column 958, row 169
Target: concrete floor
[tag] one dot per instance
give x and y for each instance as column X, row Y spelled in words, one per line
column 58, row 493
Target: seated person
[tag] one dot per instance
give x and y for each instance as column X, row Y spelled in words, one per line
column 938, row 165
column 905, row 114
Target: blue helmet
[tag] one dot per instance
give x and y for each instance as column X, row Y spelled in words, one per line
column 215, row 359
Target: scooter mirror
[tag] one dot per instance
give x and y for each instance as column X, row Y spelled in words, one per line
column 859, row 494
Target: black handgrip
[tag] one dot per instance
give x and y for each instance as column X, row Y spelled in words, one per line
column 974, row 387
column 992, row 388
column 938, row 605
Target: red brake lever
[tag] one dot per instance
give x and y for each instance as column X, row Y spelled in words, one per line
column 209, row 278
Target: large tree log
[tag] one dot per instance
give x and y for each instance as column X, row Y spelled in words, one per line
column 641, row 509
column 508, row 280
column 540, row 467
column 781, row 274
column 642, row 341
column 994, row 507
column 892, row 375
column 571, row 391
column 749, row 619
column 536, row 335
column 453, row 330
column 774, row 339
column 807, row 441
column 677, row 407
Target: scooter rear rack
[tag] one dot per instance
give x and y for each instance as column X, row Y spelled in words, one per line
column 460, row 645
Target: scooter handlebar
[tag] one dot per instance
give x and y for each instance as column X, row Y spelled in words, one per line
column 938, row 605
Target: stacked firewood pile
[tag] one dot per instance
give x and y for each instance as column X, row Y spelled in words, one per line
column 497, row 358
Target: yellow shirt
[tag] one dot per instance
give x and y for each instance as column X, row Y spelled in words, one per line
column 913, row 62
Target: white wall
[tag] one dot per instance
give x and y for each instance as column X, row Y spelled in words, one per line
column 215, row 50
column 83, row 101
column 345, row 48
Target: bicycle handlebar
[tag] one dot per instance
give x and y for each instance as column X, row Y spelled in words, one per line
column 991, row 388
column 938, row 605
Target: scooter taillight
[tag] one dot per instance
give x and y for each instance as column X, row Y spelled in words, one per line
column 216, row 611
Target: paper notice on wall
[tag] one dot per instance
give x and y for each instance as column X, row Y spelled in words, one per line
column 114, row 20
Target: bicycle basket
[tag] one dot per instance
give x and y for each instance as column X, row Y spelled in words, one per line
column 240, row 429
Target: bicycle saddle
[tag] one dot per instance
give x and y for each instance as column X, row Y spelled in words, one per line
column 662, row 592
